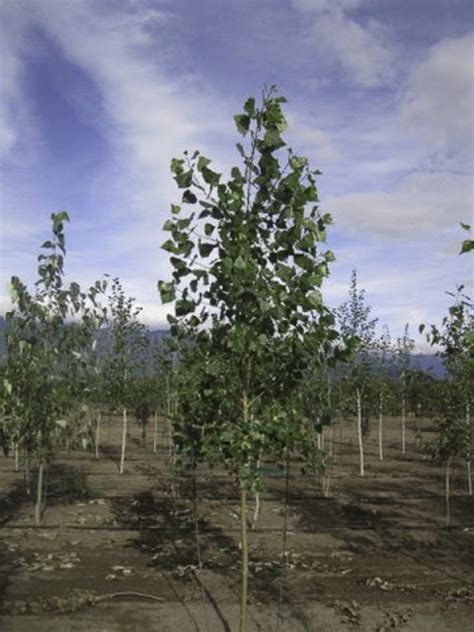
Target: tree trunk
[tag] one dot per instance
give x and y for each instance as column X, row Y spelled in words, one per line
column 97, row 435
column 257, row 503
column 359, row 431
column 39, row 493
column 381, row 426
column 196, row 523
column 124, row 441
column 403, row 425
column 155, row 432
column 448, row 508
column 469, row 439
column 244, row 530
column 284, row 556
column 17, row 457
column 27, row 474
column 245, row 558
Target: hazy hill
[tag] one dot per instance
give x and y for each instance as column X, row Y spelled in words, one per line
column 423, row 361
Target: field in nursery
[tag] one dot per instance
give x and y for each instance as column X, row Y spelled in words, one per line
column 118, row 553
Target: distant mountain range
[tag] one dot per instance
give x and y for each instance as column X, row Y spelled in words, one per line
column 423, row 361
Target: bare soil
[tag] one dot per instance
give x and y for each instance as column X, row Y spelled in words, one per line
column 118, row 553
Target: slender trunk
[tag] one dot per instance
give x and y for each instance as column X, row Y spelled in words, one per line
column 39, row 493
column 245, row 558
column 244, row 530
column 381, row 426
column 326, row 484
column 359, row 431
column 124, row 441
column 331, row 444
column 319, row 441
column 469, row 440
column 171, row 458
column 97, row 435
column 17, row 457
column 403, row 425
column 143, row 434
column 284, row 556
column 155, row 432
column 322, row 438
column 257, row 502
column 27, row 474
column 448, row 508
column 196, row 523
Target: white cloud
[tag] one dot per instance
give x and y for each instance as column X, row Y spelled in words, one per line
column 363, row 50
column 424, row 205
column 326, row 5
column 147, row 116
column 438, row 102
column 306, row 134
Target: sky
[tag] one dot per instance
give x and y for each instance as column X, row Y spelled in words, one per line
column 97, row 96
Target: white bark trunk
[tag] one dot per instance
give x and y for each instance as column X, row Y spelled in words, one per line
column 448, row 508
column 359, row 431
column 39, row 494
column 381, row 427
column 155, row 432
column 469, row 438
column 403, row 426
column 17, row 457
column 97, row 435
column 124, row 441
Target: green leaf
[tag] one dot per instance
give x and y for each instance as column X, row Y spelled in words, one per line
column 184, row 180
column 467, row 246
column 242, row 122
column 211, row 177
column 205, row 249
column 168, row 225
column 240, row 263
column 329, row 256
column 314, row 298
column 189, row 197
column 298, row 162
column 169, row 245
column 249, row 107
column 203, row 162
column 208, row 229
column 177, row 165
column 184, row 306
column 167, row 291
column 272, row 140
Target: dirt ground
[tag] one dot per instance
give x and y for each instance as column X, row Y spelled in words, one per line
column 374, row 555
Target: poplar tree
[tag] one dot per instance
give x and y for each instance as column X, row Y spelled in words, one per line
column 247, row 271
column 51, row 332
column 358, row 329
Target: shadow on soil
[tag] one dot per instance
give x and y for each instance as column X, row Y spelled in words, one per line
column 9, row 506
column 167, row 536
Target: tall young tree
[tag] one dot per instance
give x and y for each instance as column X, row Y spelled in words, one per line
column 404, row 349
column 455, row 339
column 50, row 333
column 356, row 325
column 384, row 360
column 246, row 260
column 127, row 342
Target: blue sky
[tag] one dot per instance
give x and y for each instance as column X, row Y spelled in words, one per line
column 97, row 96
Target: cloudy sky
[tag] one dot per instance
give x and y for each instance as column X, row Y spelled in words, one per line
column 96, row 97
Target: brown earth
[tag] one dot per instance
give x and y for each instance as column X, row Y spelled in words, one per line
column 374, row 555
